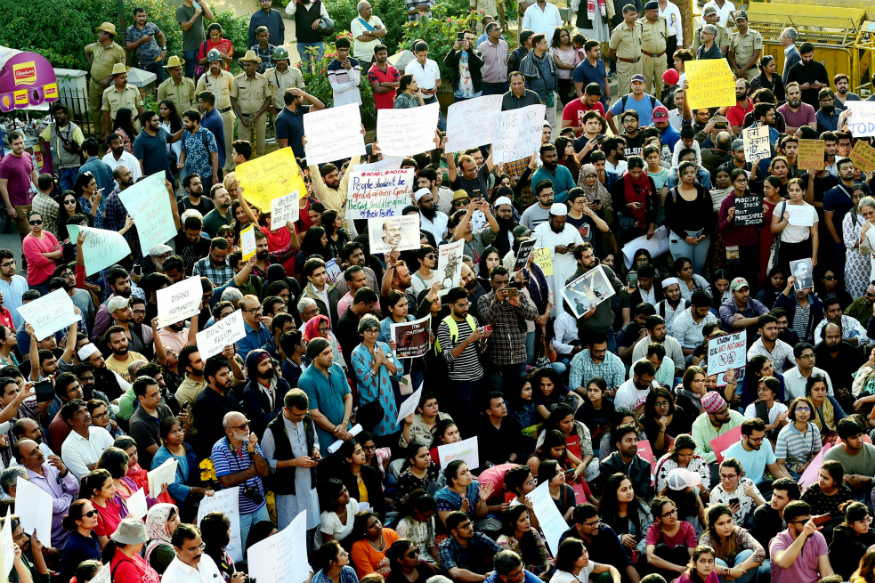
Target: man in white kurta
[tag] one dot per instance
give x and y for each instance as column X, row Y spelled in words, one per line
column 561, row 240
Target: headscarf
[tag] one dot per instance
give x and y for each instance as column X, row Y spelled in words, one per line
column 311, row 328
column 156, row 526
column 637, row 191
column 598, row 191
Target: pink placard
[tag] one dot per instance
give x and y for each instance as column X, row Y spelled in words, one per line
column 723, row 442
column 809, row 476
column 645, row 450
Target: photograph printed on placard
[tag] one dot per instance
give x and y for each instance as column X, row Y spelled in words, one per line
column 588, row 290
column 802, row 271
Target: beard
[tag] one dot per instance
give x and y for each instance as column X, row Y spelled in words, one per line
column 793, row 103
column 177, row 327
column 828, row 109
column 268, row 374
column 504, row 224
column 262, row 256
column 471, row 285
column 555, row 230
column 428, row 212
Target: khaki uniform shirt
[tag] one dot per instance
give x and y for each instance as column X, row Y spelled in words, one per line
column 219, row 86
column 102, row 59
column 181, row 94
column 279, row 82
column 114, row 100
column 745, row 45
column 250, row 94
column 653, row 35
column 721, row 40
column 627, row 42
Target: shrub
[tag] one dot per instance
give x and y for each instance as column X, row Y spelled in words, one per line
column 235, row 28
column 393, row 13
column 439, row 31
column 316, row 80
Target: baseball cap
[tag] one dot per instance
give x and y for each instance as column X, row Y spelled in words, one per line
column 682, row 478
column 737, row 145
column 638, row 77
column 709, row 10
column 738, row 283
column 117, row 303
column 741, row 15
column 660, row 112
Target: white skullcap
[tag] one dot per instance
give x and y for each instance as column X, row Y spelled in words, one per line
column 558, row 209
column 500, row 201
column 86, row 351
column 420, row 193
column 670, row 281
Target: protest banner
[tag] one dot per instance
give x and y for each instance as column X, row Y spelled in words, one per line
column 284, row 209
column 756, row 144
column 247, row 242
column 861, row 118
column 449, row 265
column 269, row 177
column 333, row 271
column 810, row 155
column 408, row 407
column 412, row 338
column 525, row 251
column 588, row 290
column 34, row 508
column 723, row 442
column 657, row 245
column 387, row 163
column 543, row 259
column 712, row 84
column 469, row 123
column 213, row 340
column 727, row 352
column 333, row 134
column 812, row 472
column 466, row 450
column 50, row 313
column 801, row 215
column 549, row 518
column 149, row 203
column 863, row 156
column 178, row 302
column 748, row 210
column 407, row 132
column 7, row 550
column 516, row 133
column 281, row 558
column 101, row 248
column 163, row 474
column 226, row 501
column 400, row 233
column 137, row 506
column 381, row 193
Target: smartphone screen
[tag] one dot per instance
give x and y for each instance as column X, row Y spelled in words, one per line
column 633, row 278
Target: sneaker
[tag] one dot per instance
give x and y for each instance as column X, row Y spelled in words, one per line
column 612, row 74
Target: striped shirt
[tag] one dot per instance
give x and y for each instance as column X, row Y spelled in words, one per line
column 467, row 367
column 226, row 462
column 796, row 447
column 583, row 369
column 800, row 321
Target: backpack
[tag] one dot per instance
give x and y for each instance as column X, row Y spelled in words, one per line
column 625, row 97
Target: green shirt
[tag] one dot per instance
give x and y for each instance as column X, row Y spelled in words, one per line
column 194, row 36
column 859, row 310
column 862, row 463
column 37, row 577
column 704, row 433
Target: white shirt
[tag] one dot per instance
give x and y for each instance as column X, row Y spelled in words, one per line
column 563, row 265
column 673, row 18
column 364, row 50
column 628, row 395
column 670, row 313
column 619, row 169
column 566, row 577
column 672, row 349
column 77, row 451
column 782, row 355
column 751, row 411
column 723, row 13
column 686, row 331
column 437, row 227
column 564, row 333
column 794, row 383
column 544, row 21
column 206, row 572
column 851, row 328
column 426, row 76
column 676, row 155
column 127, row 160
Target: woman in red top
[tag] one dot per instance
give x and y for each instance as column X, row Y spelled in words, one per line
column 123, row 554
column 223, row 45
column 41, row 249
column 135, row 476
column 109, row 505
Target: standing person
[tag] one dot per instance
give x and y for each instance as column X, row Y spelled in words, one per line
column 149, row 43
column 561, row 239
column 119, row 95
column 212, row 122
column 215, row 41
column 65, row 139
column 178, row 89
column 101, row 56
column 687, row 206
column 384, row 79
column 190, row 16
column 308, row 15
column 542, row 18
column 200, row 153
column 672, row 15
column 565, row 57
column 466, row 63
column 344, row 75
column 375, row 386
column 327, row 389
column 281, row 77
column 795, row 242
column 541, row 75
column 654, row 45
column 791, row 53
column 367, row 31
column 626, row 48
column 745, row 48
column 843, row 95
column 271, row 19
column 250, row 98
column 721, row 40
column 799, row 554
column 593, row 20
column 745, row 238
column 427, row 75
column 220, row 82
column 810, row 74
column 495, row 53
column 592, row 70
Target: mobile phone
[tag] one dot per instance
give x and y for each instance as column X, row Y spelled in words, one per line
column 512, row 292
column 822, row 519
column 44, row 391
column 184, row 405
column 633, row 278
column 460, row 36
column 720, row 125
column 734, row 501
column 487, row 328
column 596, row 201
column 569, row 472
column 138, row 270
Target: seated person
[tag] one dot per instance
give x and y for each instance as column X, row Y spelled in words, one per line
column 466, row 555
column 670, row 541
column 799, row 554
column 736, row 491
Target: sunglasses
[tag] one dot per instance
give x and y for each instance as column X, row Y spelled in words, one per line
column 829, row 277
column 36, row 222
column 90, row 513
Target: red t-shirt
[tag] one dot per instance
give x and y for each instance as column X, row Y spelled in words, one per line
column 575, row 111
column 685, row 536
column 384, row 100
column 735, row 115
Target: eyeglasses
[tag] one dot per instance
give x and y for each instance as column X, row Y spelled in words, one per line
column 807, row 356
column 255, row 310
column 200, row 547
column 804, row 409
column 100, row 416
column 669, row 513
column 12, row 263
column 595, row 524
column 37, row 222
column 661, row 404
column 412, row 554
column 241, row 427
column 369, row 447
column 372, row 331
column 726, row 477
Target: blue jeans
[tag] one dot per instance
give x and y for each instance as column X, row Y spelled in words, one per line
column 764, row 572
column 305, row 56
column 739, row 559
column 498, row 373
column 190, row 62
column 67, row 177
column 495, row 88
column 247, row 520
column 612, row 340
column 698, row 254
column 158, row 68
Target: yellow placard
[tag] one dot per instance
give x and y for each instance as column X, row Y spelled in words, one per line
column 270, row 177
column 863, row 156
column 712, row 84
column 247, row 242
column 542, row 258
column 811, row 155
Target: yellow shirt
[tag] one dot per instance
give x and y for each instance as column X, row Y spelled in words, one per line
column 219, row 86
column 363, row 492
column 121, row 366
column 626, row 42
column 103, row 58
column 745, row 45
column 250, row 93
column 279, row 82
column 653, row 35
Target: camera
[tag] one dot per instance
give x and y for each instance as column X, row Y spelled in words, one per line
column 253, row 494
column 248, row 579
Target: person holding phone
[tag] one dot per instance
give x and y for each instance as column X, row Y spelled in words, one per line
column 739, row 493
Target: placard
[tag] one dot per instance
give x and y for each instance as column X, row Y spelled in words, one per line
column 723, row 442
column 466, row 450
column 657, row 245
column 408, row 407
column 748, row 210
column 525, row 251
column 271, row 176
column 163, row 474
column 333, row 271
column 149, row 203
column 861, row 118
column 227, row 502
column 550, row 520
column 413, row 338
column 725, row 352
column 213, row 340
column 101, row 248
column 812, row 472
column 383, row 193
column 284, row 209
column 50, row 313
column 449, row 265
column 137, row 506
column 247, row 242
column 810, row 155
column 543, row 259
column 712, row 84
column 407, row 132
column 34, row 508
column 7, row 550
column 104, row 575
column 470, row 122
column 179, row 302
column 588, row 290
column 384, row 163
column 333, row 134
column 281, row 558
column 802, row 270
column 516, row 134
column 863, row 156
column 801, row 215
column 756, row 143
column 399, row 233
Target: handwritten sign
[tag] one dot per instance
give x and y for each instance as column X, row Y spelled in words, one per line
column 449, row 265
column 407, row 132
column 333, row 271
column 413, row 338
column 756, row 143
column 179, row 302
column 163, row 474
column 657, row 245
column 149, row 203
column 383, row 193
column 587, row 291
column 544, row 261
column 861, row 118
column 863, row 156
column 385, row 163
column 516, row 134
column 104, row 575
column 549, row 518
column 247, row 242
column 810, row 155
column 225, row 332
column 401, row 233
column 227, row 502
column 522, row 256
column 7, row 550
column 712, row 84
column 408, row 407
column 34, row 507
column 333, row 134
column 101, row 248
column 748, row 210
column 283, row 210
column 469, row 123
column 137, row 506
column 466, row 450
column 727, row 352
column 281, row 558
column 269, row 177
column 801, row 215
column 50, row 313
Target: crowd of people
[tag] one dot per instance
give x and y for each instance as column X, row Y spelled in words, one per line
column 609, row 406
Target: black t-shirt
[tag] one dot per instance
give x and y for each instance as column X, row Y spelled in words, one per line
column 477, row 187
column 204, row 206
column 191, row 252
column 634, row 146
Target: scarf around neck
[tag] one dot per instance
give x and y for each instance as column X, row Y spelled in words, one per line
column 637, row 191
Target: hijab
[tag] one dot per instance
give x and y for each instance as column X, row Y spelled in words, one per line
column 311, row 328
column 156, row 526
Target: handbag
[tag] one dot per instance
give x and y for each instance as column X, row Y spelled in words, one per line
column 198, row 68
column 370, row 414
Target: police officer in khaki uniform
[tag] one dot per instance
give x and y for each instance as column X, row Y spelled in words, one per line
column 654, row 35
column 101, row 57
column 178, row 89
column 219, row 82
column 745, row 49
column 281, row 77
column 250, row 98
column 626, row 48
column 710, row 16
column 120, row 95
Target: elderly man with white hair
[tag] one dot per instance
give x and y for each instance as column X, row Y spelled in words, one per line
column 367, row 30
column 791, row 53
column 431, row 219
column 561, row 239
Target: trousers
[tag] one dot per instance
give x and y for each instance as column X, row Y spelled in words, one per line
column 739, row 559
column 624, row 75
column 254, row 133
column 228, row 130
column 95, row 101
column 653, row 68
column 697, row 253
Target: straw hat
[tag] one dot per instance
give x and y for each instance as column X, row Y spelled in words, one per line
column 174, row 61
column 107, row 27
column 250, row 56
column 120, row 68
